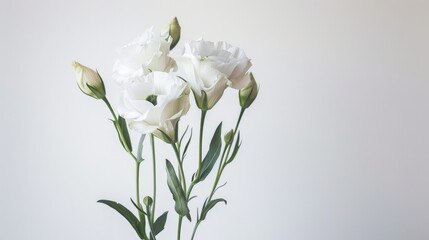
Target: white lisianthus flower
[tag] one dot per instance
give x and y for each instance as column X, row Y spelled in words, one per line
column 147, row 53
column 154, row 103
column 212, row 67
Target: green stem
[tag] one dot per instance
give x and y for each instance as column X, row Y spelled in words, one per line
column 179, row 227
column 180, row 163
column 142, row 219
column 191, row 186
column 152, row 142
column 200, row 154
column 222, row 165
column 200, row 158
column 182, row 182
column 138, row 182
column 195, row 229
column 110, row 108
column 141, row 216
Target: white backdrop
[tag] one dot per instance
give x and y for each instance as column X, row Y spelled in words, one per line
column 335, row 147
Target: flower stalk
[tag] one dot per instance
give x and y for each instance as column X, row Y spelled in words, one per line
column 200, row 146
column 152, row 143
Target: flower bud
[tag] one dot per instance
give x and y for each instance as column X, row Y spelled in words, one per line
column 173, row 30
column 248, row 94
column 228, row 137
column 147, row 201
column 89, row 81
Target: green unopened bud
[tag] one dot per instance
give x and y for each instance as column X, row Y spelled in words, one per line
column 248, row 94
column 147, row 201
column 228, row 137
column 202, row 101
column 173, row 30
column 89, row 81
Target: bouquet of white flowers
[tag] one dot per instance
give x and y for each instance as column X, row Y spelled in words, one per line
column 153, row 100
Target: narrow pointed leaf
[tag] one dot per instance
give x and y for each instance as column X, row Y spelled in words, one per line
column 138, row 208
column 183, row 135
column 213, row 153
column 181, row 205
column 159, row 223
column 191, row 198
column 127, row 214
column 209, row 206
column 186, row 146
column 221, row 186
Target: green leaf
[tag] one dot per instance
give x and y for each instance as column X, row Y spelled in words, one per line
column 186, row 146
column 213, row 153
column 236, row 148
column 159, row 223
column 183, row 135
column 124, row 136
column 135, row 223
column 208, row 206
column 140, row 148
column 181, row 205
column 221, row 186
column 138, row 208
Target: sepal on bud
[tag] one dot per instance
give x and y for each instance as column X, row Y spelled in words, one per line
column 249, row 93
column 163, row 136
column 173, row 30
column 202, row 101
column 89, row 81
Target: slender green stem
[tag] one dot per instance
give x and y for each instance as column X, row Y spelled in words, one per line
column 180, row 163
column 200, row 153
column 222, row 165
column 133, row 156
column 138, row 182
column 200, row 158
column 179, row 227
column 110, row 108
column 195, row 229
column 182, row 182
column 141, row 216
column 142, row 219
column 152, row 142
column 191, row 186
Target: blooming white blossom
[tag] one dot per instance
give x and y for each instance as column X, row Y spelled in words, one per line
column 147, row 53
column 211, row 67
column 154, row 103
